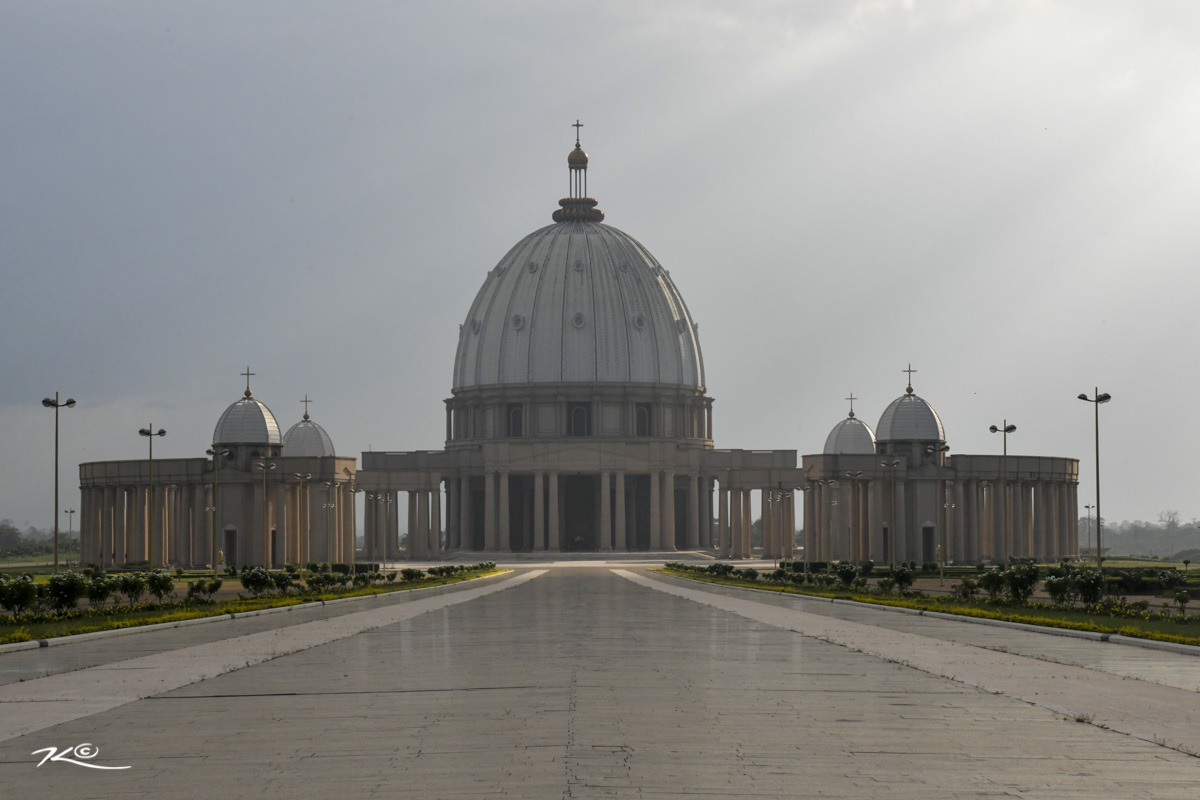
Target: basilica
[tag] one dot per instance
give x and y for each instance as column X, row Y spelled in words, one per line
column 578, row 420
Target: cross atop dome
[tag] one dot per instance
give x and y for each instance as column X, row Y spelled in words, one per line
column 306, row 401
column 578, row 207
column 910, row 372
column 852, row 398
column 247, row 375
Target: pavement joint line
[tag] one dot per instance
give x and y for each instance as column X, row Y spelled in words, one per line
column 55, row 641
column 41, row 703
column 1162, row 715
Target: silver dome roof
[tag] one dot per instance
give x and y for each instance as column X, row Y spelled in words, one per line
column 578, row 301
column 851, row 436
column 909, row 418
column 248, row 421
column 307, row 438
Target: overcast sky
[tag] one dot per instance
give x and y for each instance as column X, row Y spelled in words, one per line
column 1005, row 194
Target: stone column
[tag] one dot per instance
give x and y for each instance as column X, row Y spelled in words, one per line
column 465, row 532
column 555, row 543
column 435, row 520
column 668, row 509
column 789, row 531
column 656, row 536
column 693, row 512
column 769, row 535
column 722, row 522
column 605, row 534
column 490, row 538
column 502, row 525
column 735, row 524
column 622, row 545
column 539, row 512
column 747, row 527
column 422, row 530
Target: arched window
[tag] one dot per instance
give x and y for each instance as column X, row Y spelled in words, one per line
column 641, row 418
column 579, row 419
column 516, row 420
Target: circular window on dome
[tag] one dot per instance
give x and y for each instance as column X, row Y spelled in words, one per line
column 518, row 321
column 578, row 321
column 532, row 267
column 579, row 266
column 475, row 326
column 639, row 322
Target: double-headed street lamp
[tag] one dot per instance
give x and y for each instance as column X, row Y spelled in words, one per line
column 854, row 528
column 1089, row 519
column 150, row 433
column 1006, row 430
column 264, row 467
column 889, row 546
column 303, row 519
column 1096, row 400
column 937, row 453
column 52, row 402
column 217, row 454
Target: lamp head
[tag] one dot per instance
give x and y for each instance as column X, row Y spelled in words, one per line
column 1010, row 429
column 48, row 402
column 71, row 402
column 1104, row 398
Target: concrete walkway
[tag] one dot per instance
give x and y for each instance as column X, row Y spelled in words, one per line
column 599, row 682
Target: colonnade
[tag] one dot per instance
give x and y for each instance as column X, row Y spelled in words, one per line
column 180, row 524
column 892, row 519
column 735, row 521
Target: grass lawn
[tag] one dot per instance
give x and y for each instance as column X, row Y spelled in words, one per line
column 111, row 618
column 1182, row 630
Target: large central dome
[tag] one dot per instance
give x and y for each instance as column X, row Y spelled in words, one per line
column 578, row 302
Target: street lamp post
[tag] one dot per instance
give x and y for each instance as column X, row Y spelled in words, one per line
column 1096, row 401
column 56, row 405
column 805, row 538
column 891, row 465
column 1005, row 430
column 302, row 518
column 217, row 454
column 947, row 509
column 150, row 433
column 329, row 505
column 1089, row 519
column 264, row 467
column 937, row 451
column 853, row 528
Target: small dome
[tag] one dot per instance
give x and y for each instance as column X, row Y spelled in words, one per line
column 909, row 418
column 851, row 436
column 577, row 159
column 248, row 421
column 308, row 439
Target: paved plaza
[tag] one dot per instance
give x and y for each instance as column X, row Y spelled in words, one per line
column 598, row 680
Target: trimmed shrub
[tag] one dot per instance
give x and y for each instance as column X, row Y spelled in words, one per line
column 65, row 589
column 100, row 589
column 18, row 593
column 160, row 584
column 132, row 585
column 846, row 572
